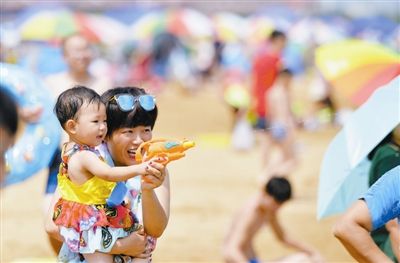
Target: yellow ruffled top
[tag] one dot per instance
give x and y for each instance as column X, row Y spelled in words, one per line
column 93, row 191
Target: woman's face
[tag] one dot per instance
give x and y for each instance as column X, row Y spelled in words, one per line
column 123, row 143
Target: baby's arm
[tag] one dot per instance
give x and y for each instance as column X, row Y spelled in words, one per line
column 86, row 161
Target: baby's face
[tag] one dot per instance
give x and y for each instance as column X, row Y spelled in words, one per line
column 91, row 124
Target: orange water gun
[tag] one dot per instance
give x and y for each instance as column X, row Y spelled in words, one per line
column 170, row 148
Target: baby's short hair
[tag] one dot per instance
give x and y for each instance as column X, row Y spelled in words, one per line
column 70, row 101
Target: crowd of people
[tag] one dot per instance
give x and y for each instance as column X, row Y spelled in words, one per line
column 104, row 126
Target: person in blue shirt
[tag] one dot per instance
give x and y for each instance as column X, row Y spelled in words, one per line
column 379, row 206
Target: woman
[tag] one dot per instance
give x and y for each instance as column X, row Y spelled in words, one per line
column 131, row 115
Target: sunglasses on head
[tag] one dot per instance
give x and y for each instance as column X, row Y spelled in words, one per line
column 128, row 102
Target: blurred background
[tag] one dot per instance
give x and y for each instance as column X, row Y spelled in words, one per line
column 196, row 57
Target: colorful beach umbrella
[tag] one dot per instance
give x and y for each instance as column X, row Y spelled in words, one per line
column 50, row 25
column 356, row 68
column 344, row 171
column 148, row 25
column 230, row 27
column 181, row 22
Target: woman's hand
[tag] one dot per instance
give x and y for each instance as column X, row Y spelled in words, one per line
column 133, row 245
column 155, row 174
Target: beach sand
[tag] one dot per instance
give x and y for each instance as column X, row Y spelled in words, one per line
column 207, row 187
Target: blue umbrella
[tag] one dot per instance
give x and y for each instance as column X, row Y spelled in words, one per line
column 35, row 147
column 344, row 171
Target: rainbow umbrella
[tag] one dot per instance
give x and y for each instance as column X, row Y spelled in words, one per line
column 148, row 25
column 49, row 25
column 356, row 68
column 230, row 27
column 181, row 22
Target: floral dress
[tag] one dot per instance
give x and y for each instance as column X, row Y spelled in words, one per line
column 86, row 223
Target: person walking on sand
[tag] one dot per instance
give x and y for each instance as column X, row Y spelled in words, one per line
column 266, row 65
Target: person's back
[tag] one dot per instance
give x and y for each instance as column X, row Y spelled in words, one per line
column 279, row 103
column 258, row 210
column 252, row 219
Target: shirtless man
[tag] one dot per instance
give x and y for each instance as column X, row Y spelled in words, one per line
column 78, row 55
column 281, row 129
column 260, row 209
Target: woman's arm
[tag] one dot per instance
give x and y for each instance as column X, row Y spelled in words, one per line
column 156, row 206
column 51, row 228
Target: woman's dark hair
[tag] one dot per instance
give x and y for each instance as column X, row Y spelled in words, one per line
column 117, row 119
column 279, row 188
column 8, row 112
column 70, row 101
